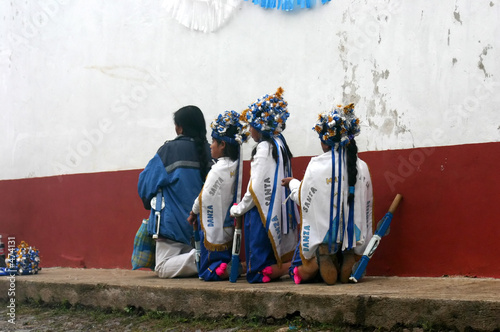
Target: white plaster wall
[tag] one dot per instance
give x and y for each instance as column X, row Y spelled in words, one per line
column 90, row 86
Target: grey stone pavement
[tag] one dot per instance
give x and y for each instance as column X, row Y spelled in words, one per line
column 381, row 302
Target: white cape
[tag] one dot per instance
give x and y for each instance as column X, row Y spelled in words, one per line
column 215, row 199
column 268, row 196
column 314, row 199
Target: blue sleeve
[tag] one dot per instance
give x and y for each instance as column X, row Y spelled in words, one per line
column 153, row 177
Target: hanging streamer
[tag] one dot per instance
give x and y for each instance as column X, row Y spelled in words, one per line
column 201, row 15
column 286, row 5
column 210, row 15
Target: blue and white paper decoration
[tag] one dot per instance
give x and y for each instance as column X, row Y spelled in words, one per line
column 210, row 15
column 201, row 15
column 287, row 5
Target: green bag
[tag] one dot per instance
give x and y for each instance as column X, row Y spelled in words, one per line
column 143, row 255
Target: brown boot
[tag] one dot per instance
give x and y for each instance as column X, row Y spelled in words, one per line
column 327, row 265
column 347, row 264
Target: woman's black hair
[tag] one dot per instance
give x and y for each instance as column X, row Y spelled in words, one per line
column 192, row 121
column 230, row 150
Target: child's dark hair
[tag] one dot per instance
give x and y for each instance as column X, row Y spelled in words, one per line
column 192, row 121
column 230, row 150
column 352, row 170
column 287, row 155
column 352, row 158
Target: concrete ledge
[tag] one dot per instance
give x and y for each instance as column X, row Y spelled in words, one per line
column 380, row 302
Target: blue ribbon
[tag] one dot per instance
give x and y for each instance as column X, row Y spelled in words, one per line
column 332, row 195
column 339, row 188
column 224, row 138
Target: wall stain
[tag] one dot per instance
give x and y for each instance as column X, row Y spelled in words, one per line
column 454, row 60
column 349, row 87
column 123, row 72
column 456, row 14
column 378, row 110
column 346, row 17
column 480, row 64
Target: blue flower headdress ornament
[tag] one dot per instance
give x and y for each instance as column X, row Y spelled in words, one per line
column 338, row 126
column 23, row 260
column 268, row 114
column 223, row 122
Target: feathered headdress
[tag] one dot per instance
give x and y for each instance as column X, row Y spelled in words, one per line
column 268, row 114
column 338, row 126
column 223, row 122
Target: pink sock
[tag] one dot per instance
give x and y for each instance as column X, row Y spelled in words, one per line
column 266, row 279
column 267, row 271
column 221, row 269
column 296, row 278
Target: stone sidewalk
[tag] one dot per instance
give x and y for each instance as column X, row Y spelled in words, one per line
column 379, row 302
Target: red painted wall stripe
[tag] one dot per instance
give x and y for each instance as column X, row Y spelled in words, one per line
column 447, row 223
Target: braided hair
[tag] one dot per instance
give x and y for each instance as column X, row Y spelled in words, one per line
column 351, row 152
column 287, row 155
column 192, row 121
column 352, row 170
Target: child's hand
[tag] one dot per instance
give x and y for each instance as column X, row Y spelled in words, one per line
column 286, row 181
column 233, row 212
column 192, row 218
